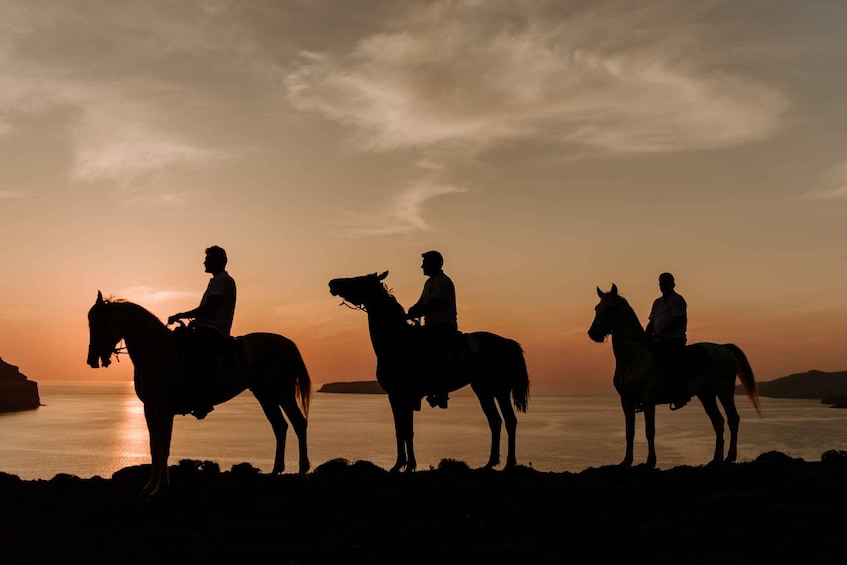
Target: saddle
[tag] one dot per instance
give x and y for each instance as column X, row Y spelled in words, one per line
column 445, row 364
column 677, row 379
column 208, row 373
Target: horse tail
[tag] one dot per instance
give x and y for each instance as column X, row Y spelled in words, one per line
column 745, row 374
column 516, row 365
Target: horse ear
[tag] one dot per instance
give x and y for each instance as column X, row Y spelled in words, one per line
column 383, row 275
column 599, row 292
column 614, row 289
column 99, row 297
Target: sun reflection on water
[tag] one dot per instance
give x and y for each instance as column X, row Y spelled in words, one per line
column 131, row 439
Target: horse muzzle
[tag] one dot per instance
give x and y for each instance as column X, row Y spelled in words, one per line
column 597, row 336
column 95, row 361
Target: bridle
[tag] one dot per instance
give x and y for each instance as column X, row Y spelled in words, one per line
column 353, row 306
column 117, row 350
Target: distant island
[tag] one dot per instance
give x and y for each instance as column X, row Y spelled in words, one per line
column 17, row 392
column 829, row 388
column 353, row 387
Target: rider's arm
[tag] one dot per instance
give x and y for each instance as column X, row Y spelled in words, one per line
column 212, row 302
column 418, row 309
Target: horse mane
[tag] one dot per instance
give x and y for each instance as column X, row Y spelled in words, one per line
column 395, row 302
column 628, row 306
column 142, row 312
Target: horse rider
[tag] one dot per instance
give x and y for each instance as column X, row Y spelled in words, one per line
column 211, row 323
column 667, row 328
column 437, row 306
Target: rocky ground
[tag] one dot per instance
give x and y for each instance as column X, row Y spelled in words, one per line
column 773, row 510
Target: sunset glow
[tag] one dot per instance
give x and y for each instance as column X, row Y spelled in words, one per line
column 544, row 147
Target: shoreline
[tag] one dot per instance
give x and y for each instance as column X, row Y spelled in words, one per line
column 774, row 509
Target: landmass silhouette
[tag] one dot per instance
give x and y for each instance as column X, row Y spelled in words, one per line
column 775, row 509
column 17, row 392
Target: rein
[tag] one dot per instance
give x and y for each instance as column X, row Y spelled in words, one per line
column 119, row 351
column 353, row 306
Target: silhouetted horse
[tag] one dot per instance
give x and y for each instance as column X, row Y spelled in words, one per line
column 273, row 370
column 494, row 366
column 712, row 370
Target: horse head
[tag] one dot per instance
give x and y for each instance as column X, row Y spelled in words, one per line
column 605, row 314
column 358, row 290
column 104, row 335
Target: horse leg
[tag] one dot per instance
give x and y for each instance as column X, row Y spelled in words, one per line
column 279, row 427
column 153, row 480
column 629, row 418
column 167, row 434
column 650, row 432
column 403, row 432
column 300, row 424
column 160, row 425
column 710, row 405
column 727, row 399
column 494, row 423
column 511, row 421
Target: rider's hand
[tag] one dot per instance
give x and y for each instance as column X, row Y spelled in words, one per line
column 173, row 319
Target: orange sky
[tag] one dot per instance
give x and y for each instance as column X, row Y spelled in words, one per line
column 543, row 147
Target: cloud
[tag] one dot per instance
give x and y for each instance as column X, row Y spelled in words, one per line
column 147, row 295
column 9, row 194
column 116, row 141
column 834, row 185
column 123, row 80
column 403, row 214
column 615, row 77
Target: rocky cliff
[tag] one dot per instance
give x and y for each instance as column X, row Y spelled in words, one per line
column 16, row 391
column 828, row 387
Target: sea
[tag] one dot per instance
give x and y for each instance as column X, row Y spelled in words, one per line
column 92, row 429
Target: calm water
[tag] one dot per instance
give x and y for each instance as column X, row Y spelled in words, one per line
column 89, row 429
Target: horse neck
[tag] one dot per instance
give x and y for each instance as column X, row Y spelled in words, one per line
column 386, row 323
column 141, row 330
column 629, row 340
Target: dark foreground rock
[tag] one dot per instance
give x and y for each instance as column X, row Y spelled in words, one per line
column 773, row 510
